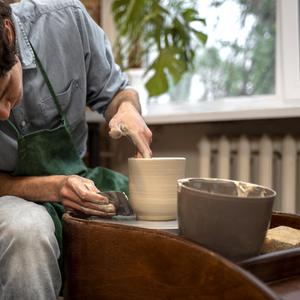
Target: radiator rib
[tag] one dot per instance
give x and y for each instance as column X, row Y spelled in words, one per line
column 243, row 159
column 288, row 179
column 224, row 158
column 268, row 161
column 204, row 147
column 265, row 161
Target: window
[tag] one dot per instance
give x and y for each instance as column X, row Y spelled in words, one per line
column 290, row 22
column 239, row 57
column 250, row 67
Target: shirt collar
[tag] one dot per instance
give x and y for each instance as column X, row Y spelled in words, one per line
column 23, row 47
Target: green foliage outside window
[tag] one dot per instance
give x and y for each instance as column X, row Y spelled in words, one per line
column 248, row 69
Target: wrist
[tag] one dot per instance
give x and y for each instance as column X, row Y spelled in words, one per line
column 58, row 182
column 128, row 105
column 123, row 100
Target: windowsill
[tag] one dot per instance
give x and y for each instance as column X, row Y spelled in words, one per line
column 221, row 110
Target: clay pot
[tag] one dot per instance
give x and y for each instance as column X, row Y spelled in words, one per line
column 153, row 186
column 229, row 217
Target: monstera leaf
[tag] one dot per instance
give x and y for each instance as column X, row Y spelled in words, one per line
column 165, row 28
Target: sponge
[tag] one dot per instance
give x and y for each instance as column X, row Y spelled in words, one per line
column 280, row 238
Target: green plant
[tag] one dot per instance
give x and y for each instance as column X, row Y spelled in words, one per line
column 168, row 29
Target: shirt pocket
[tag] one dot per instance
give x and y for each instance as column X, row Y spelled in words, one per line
column 70, row 101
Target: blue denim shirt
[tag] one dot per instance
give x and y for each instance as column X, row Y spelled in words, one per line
column 79, row 62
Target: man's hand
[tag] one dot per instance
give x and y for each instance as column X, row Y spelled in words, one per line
column 125, row 119
column 74, row 192
column 81, row 194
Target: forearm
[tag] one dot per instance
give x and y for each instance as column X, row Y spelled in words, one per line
column 33, row 188
column 127, row 96
column 72, row 191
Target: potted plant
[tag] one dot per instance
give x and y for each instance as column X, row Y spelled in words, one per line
column 162, row 32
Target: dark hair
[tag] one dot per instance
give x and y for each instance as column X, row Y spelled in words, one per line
column 7, row 51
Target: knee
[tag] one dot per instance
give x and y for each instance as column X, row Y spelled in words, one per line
column 28, row 226
column 27, row 230
column 28, row 249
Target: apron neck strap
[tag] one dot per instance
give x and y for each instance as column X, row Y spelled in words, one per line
column 12, row 125
column 51, row 90
column 49, row 85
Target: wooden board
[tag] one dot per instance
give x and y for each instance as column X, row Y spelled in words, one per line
column 280, row 270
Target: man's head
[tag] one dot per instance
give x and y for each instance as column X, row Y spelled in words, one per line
column 10, row 67
column 7, row 47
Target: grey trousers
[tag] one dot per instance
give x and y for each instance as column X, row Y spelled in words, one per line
column 28, row 252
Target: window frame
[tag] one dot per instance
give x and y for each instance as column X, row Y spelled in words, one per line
column 284, row 103
column 290, row 48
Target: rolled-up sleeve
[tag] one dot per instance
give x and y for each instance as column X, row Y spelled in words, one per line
column 104, row 77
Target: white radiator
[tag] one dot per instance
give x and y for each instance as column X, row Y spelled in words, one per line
column 272, row 162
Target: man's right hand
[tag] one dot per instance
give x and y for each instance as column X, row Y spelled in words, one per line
column 80, row 194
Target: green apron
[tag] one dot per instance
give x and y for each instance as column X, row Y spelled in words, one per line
column 52, row 152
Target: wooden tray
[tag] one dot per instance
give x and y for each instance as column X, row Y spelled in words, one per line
column 280, row 270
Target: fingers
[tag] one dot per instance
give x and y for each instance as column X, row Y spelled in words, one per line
column 117, row 129
column 141, row 138
column 81, row 194
column 84, row 189
column 89, row 196
column 142, row 145
column 115, row 133
column 128, row 122
column 109, row 211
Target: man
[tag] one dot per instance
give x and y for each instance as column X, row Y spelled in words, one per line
column 54, row 60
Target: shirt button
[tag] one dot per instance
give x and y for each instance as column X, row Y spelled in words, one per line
column 23, row 123
column 77, row 85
